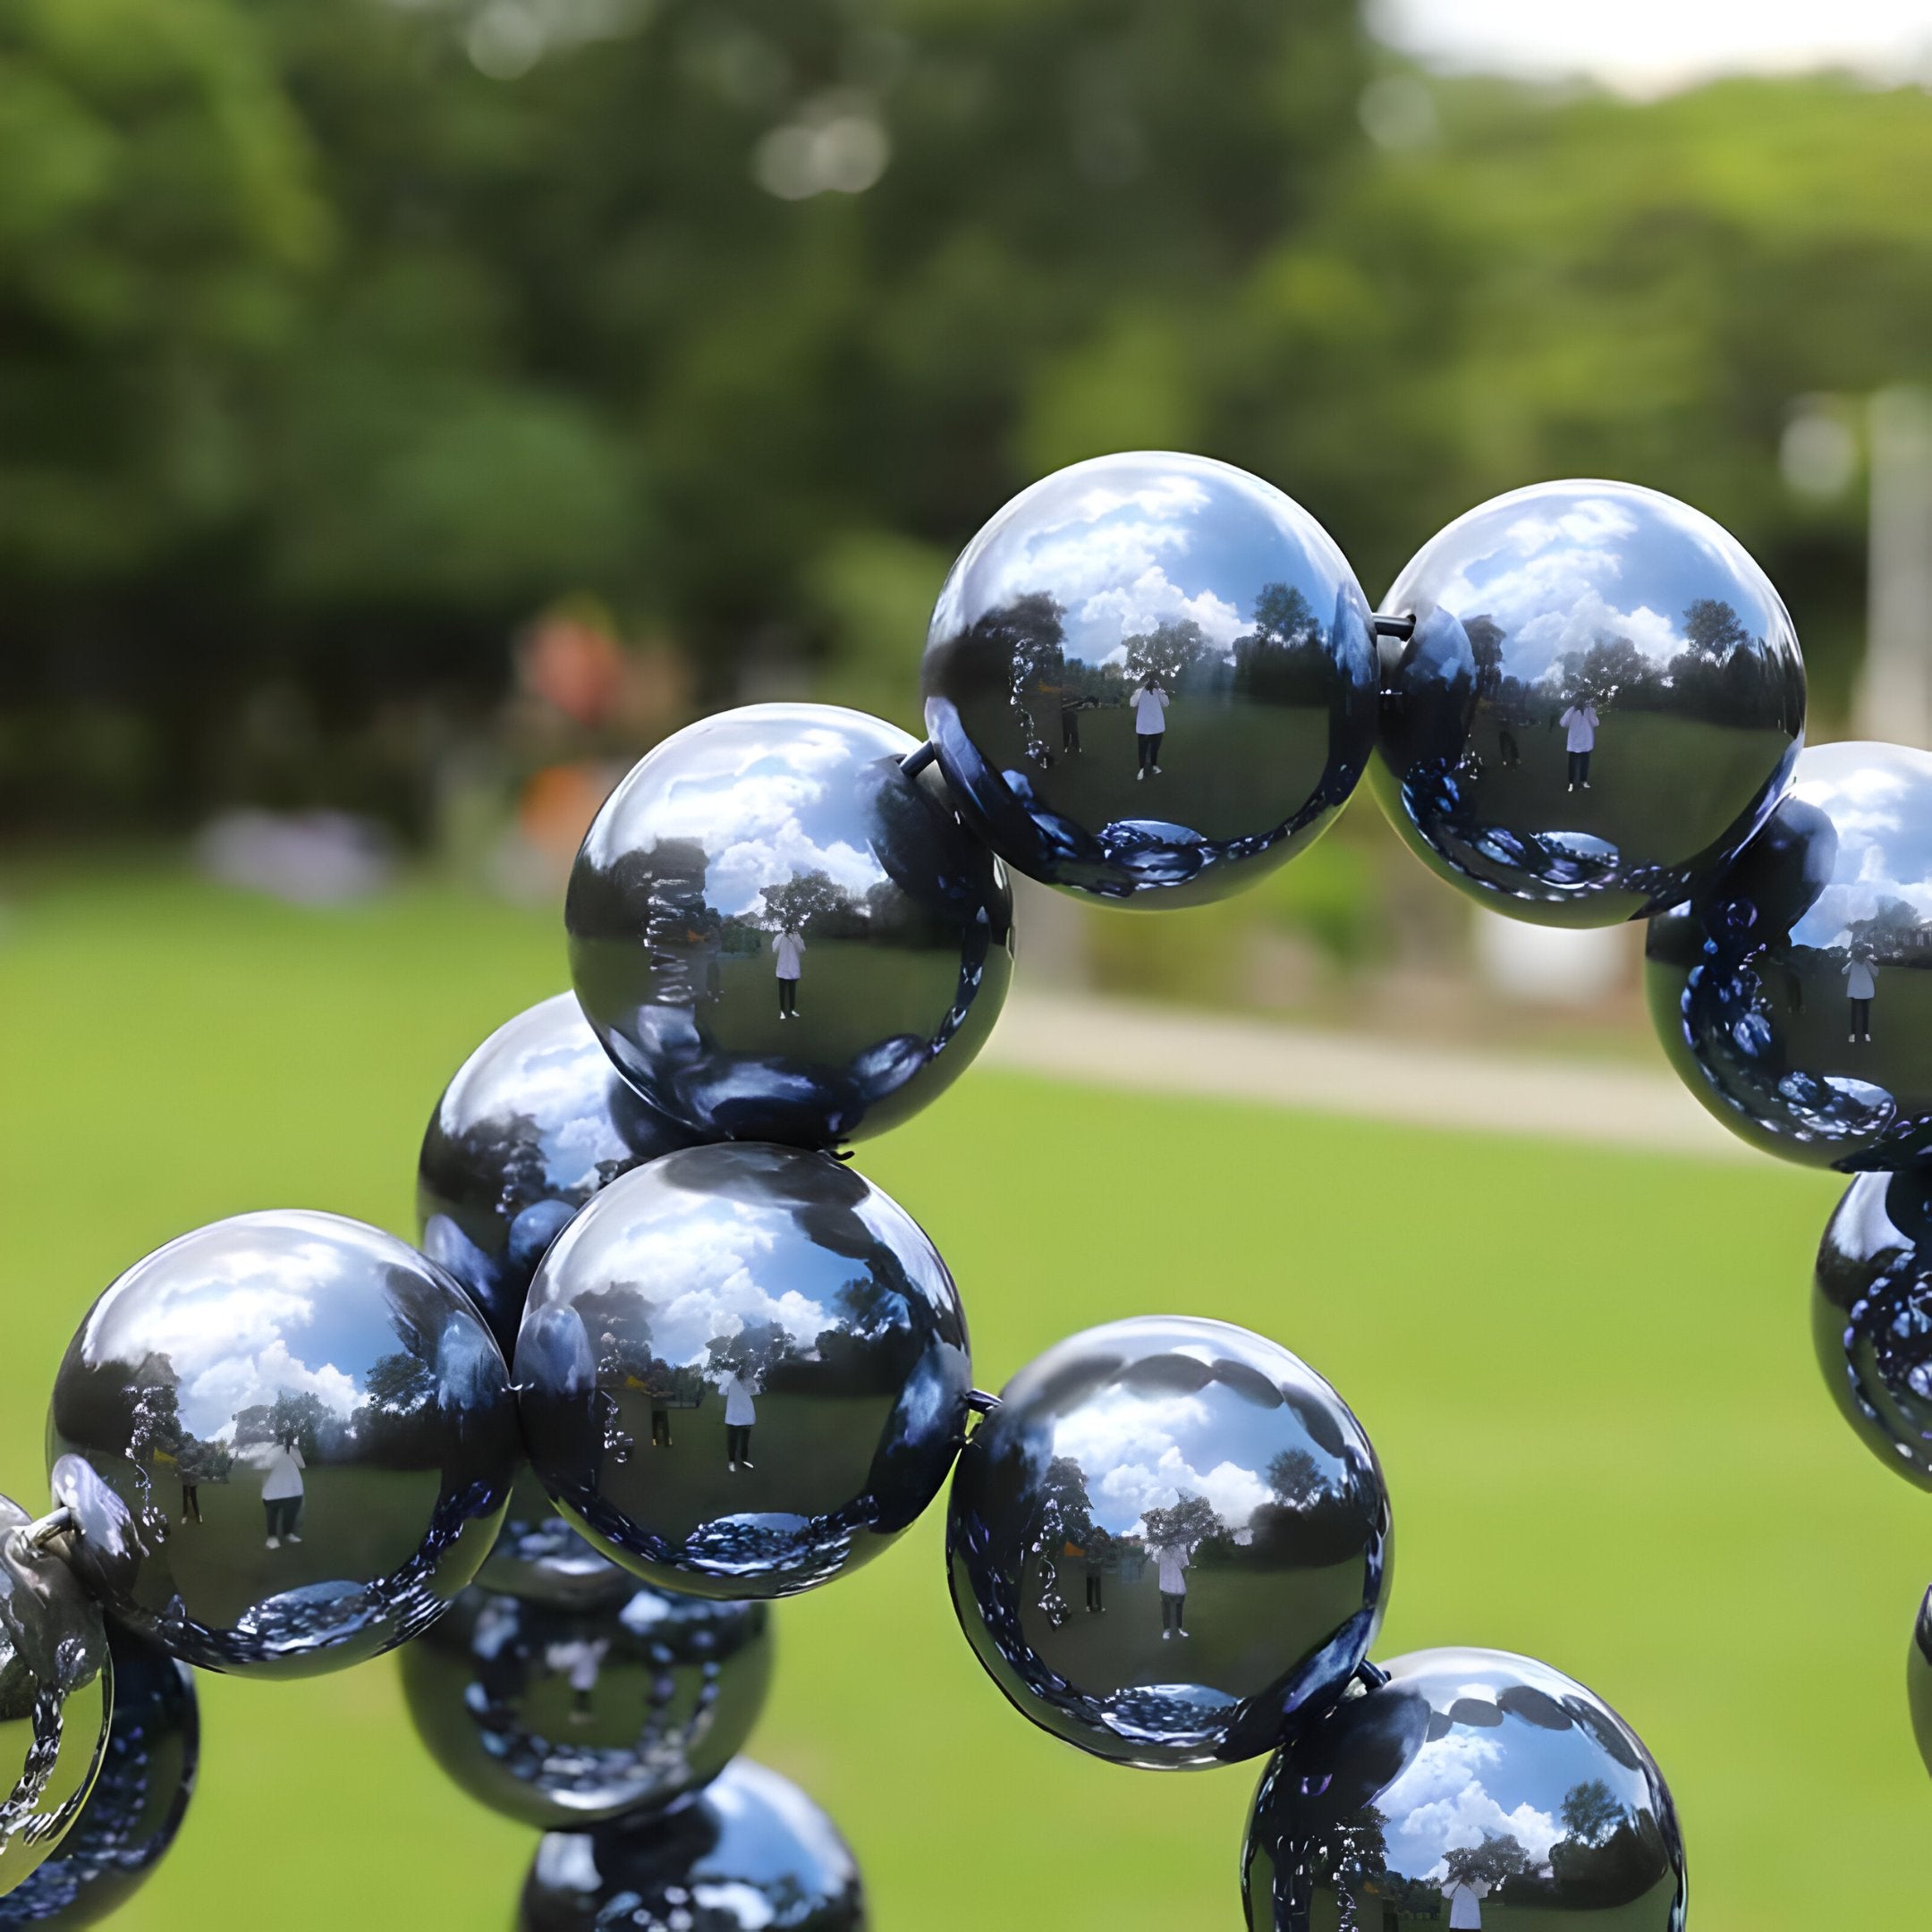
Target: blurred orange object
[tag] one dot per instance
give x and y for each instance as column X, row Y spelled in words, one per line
column 557, row 804
column 571, row 658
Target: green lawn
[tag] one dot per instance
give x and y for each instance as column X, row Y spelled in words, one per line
column 1589, row 1376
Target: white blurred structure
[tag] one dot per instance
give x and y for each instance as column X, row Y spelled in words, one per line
column 1895, row 693
column 1550, row 966
column 319, row 857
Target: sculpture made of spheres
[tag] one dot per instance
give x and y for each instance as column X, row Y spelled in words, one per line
column 1600, row 702
column 1794, row 994
column 1920, row 1680
column 1170, row 1538
column 778, row 935
column 750, row 1850
column 743, row 1370
column 565, row 1717
column 287, row 1438
column 138, row 1803
column 1871, row 1317
column 1150, row 678
column 535, row 1121
column 1365, row 1817
column 537, row 1556
column 56, row 1694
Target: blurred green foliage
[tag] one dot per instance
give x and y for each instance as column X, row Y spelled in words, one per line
column 335, row 340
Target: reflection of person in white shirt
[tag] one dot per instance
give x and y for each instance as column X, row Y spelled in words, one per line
column 790, row 948
column 1465, row 1897
column 1150, row 722
column 1173, row 1561
column 1579, row 740
column 579, row 1658
column 281, row 1491
column 740, row 1417
column 1861, row 982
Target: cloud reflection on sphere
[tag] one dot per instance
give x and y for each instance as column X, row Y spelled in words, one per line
column 288, row 1439
column 1474, row 1788
column 1794, row 995
column 1150, row 679
column 780, row 936
column 1170, row 1538
column 534, row 1122
column 743, row 1370
column 1599, row 704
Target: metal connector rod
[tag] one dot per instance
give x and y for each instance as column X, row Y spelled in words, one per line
column 981, row 1404
column 1371, row 1675
column 34, row 1537
column 914, row 762
column 1394, row 627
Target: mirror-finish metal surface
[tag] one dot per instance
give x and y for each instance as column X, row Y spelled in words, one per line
column 535, row 1121
column 1871, row 1317
column 779, row 935
column 743, row 1370
column 1919, row 1684
column 1795, row 995
column 137, row 1804
column 562, row 1718
column 1600, row 703
column 1150, row 679
column 1473, row 1790
column 56, row 1697
column 537, row 1556
column 1170, row 1537
column 749, row 1853
column 288, row 1439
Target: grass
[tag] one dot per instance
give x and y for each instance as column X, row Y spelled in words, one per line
column 1589, row 1376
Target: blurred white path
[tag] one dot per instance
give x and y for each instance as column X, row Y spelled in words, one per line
column 1158, row 1049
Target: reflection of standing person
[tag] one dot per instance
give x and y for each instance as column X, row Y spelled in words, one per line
column 1070, row 711
column 741, row 1415
column 1149, row 723
column 1465, row 1896
column 1580, row 724
column 579, row 1658
column 281, row 1491
column 790, row 948
column 660, row 1392
column 1862, row 983
column 704, row 942
column 1507, row 748
column 1173, row 1561
column 1093, row 1559
column 187, row 1468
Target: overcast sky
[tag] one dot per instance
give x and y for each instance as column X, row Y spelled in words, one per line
column 1648, row 47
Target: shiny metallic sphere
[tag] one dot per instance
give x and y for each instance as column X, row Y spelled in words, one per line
column 138, row 1803
column 288, row 1439
column 1871, row 1317
column 535, row 1121
column 565, row 1717
column 749, row 1853
column 1474, row 1788
column 743, row 1370
column 780, row 936
column 56, row 1694
column 1150, row 679
column 1600, row 703
column 1171, row 1539
column 537, row 1556
column 1787, row 992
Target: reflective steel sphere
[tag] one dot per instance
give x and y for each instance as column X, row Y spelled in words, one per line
column 1787, row 994
column 749, row 1853
column 1474, row 1789
column 535, row 1121
column 1919, row 1668
column 1150, row 678
column 1600, row 703
column 743, row 1370
column 537, row 1556
column 288, row 1439
column 1170, row 1538
column 56, row 1694
column 138, row 1803
column 1871, row 1317
column 566, row 1717
column 779, row 935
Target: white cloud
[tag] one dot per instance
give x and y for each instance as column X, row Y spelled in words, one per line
column 1132, row 1453
column 1440, row 1804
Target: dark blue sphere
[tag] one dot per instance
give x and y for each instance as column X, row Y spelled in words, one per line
column 1920, row 1680
column 1150, row 679
column 1871, row 1317
column 744, row 1371
column 535, row 1121
column 137, row 1804
column 1474, row 1788
column 1793, row 995
column 565, row 1716
column 780, row 936
column 1599, row 704
column 1170, row 1538
column 749, row 1853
